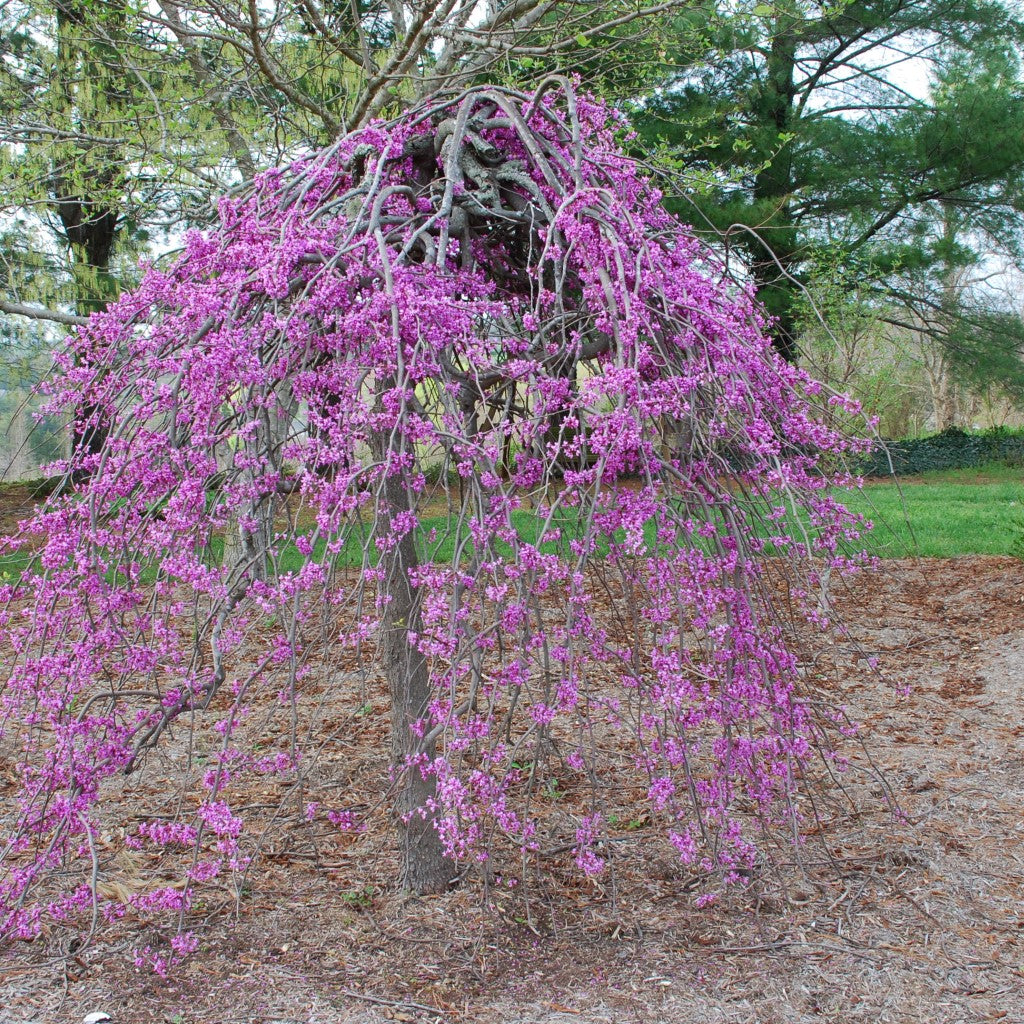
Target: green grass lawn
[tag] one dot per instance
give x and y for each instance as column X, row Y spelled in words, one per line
column 945, row 513
column 940, row 514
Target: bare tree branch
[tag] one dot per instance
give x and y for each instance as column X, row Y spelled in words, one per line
column 40, row 313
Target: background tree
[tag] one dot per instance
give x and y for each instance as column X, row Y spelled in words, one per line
column 119, row 127
column 848, row 341
column 101, row 158
column 826, row 143
column 970, row 235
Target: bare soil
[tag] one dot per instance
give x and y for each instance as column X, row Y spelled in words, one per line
column 917, row 916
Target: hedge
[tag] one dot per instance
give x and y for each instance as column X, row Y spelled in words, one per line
column 952, row 449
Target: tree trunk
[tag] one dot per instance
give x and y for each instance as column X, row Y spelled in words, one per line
column 88, row 179
column 248, row 542
column 945, row 393
column 943, row 390
column 245, row 550
column 424, row 866
column 775, row 250
column 21, row 464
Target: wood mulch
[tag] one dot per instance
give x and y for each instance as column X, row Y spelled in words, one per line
column 913, row 917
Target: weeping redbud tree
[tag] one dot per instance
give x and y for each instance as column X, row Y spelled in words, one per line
column 454, row 402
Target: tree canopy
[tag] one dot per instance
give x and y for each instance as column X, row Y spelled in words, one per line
column 809, row 142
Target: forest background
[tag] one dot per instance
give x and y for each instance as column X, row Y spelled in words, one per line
column 862, row 162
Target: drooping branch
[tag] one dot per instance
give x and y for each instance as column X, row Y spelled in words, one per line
column 484, row 293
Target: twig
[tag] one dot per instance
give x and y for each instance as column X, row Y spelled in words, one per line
column 779, row 946
column 396, row 1003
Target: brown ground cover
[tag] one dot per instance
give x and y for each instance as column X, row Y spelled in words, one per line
column 912, row 918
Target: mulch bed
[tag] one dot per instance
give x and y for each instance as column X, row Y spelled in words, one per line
column 909, row 917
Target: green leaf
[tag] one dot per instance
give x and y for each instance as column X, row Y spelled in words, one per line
column 582, row 39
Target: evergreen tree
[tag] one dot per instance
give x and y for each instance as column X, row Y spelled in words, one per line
column 805, row 117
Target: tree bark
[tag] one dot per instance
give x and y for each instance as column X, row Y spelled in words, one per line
column 88, row 179
column 20, row 463
column 943, row 389
column 776, row 250
column 424, row 866
column 248, row 542
column 945, row 393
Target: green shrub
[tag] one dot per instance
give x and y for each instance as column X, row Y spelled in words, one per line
column 952, row 449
